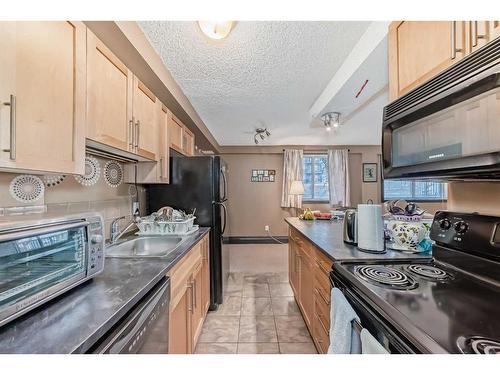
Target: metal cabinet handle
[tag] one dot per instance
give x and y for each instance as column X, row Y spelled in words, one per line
column 454, row 48
column 190, row 307
column 12, row 149
column 161, row 167
column 131, row 133
column 137, row 132
column 195, row 292
column 475, row 36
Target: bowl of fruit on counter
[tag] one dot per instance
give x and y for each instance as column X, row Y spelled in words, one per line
column 315, row 215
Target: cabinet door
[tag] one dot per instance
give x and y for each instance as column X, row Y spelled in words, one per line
column 494, row 29
column 164, row 149
column 198, row 315
column 419, row 50
column 109, row 97
column 478, row 34
column 306, row 287
column 176, row 129
column 205, row 289
column 42, row 96
column 187, row 142
column 146, row 133
column 294, row 266
column 179, row 326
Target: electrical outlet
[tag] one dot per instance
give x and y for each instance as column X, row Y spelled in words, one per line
column 266, row 228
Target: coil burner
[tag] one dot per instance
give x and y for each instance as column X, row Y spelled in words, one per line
column 385, row 276
column 478, row 345
column 428, row 272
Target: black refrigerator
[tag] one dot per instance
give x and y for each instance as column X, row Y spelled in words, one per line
column 198, row 182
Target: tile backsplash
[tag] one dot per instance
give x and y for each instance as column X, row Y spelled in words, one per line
column 70, row 197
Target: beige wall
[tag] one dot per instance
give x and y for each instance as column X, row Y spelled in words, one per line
column 252, row 205
column 70, row 197
column 482, row 197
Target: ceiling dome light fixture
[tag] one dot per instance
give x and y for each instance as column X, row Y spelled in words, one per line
column 262, row 133
column 216, row 29
column 330, row 119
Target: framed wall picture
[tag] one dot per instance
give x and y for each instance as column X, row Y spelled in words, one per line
column 263, row 175
column 369, row 172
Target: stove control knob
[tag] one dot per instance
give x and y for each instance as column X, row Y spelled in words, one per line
column 461, row 227
column 96, row 239
column 444, row 224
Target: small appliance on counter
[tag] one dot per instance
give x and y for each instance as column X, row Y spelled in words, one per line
column 364, row 227
column 43, row 256
column 447, row 303
column 350, row 227
column 370, row 228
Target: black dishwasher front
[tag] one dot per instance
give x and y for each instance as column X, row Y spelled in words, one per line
column 144, row 330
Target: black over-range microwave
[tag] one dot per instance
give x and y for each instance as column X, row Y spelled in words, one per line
column 449, row 127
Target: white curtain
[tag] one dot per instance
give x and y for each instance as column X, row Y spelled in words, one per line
column 293, row 170
column 338, row 175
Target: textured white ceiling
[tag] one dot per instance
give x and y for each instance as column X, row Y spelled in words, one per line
column 263, row 74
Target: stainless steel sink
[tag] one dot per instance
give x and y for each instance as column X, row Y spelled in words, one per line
column 143, row 247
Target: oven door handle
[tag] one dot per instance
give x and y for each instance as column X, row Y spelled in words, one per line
column 19, row 233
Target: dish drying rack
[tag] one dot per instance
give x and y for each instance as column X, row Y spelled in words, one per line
column 167, row 221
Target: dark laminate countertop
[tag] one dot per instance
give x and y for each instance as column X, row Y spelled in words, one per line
column 328, row 237
column 74, row 321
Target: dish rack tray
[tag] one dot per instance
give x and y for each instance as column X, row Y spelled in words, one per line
column 152, row 227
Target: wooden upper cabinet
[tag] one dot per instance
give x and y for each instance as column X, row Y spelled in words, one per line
column 181, row 138
column 42, row 96
column 109, row 99
column 419, row 50
column 146, row 132
column 481, row 33
column 187, row 142
column 176, row 129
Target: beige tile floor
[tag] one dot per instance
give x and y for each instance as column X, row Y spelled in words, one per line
column 259, row 316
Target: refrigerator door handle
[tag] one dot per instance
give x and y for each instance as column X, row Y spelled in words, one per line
column 224, row 184
column 224, row 210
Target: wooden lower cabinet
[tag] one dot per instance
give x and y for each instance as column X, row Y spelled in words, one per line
column 309, row 278
column 306, row 286
column 188, row 307
column 179, row 325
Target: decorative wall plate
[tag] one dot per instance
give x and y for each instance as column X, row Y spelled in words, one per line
column 52, row 180
column 113, row 173
column 92, row 172
column 26, row 188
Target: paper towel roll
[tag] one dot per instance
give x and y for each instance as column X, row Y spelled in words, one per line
column 370, row 228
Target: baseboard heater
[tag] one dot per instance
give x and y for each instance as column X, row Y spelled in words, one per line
column 238, row 240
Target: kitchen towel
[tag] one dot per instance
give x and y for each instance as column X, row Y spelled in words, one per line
column 343, row 338
column 369, row 345
column 370, row 228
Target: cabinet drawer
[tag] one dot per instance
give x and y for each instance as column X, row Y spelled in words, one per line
column 322, row 310
column 322, row 283
column 320, row 335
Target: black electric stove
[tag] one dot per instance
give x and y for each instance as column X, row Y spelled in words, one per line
column 447, row 304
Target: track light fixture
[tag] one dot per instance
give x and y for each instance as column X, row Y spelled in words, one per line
column 261, row 133
column 330, row 119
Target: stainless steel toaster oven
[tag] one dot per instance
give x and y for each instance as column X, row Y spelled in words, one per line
column 43, row 256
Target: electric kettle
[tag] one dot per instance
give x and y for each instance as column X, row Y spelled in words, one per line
column 350, row 227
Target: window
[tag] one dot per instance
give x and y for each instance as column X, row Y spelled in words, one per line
column 415, row 190
column 316, row 178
